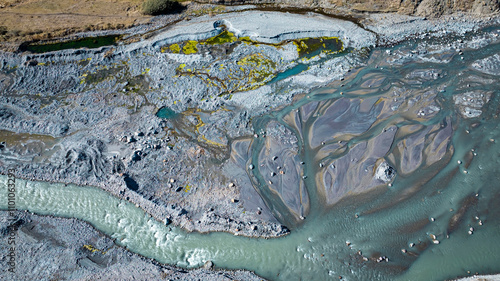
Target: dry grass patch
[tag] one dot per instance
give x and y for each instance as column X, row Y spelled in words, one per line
column 24, row 20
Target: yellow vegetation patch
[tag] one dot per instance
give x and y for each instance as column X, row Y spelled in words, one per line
column 328, row 45
column 223, row 37
column 93, row 249
column 204, row 139
column 190, row 47
column 174, row 48
column 258, row 68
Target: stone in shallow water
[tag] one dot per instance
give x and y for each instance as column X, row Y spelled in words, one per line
column 385, row 172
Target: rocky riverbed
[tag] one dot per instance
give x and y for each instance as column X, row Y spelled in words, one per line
column 69, row 249
column 94, row 116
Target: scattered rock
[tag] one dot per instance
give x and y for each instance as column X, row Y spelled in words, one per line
column 31, row 63
column 136, row 156
column 208, row 265
column 385, row 172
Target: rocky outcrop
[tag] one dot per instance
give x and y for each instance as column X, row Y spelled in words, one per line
column 427, row 8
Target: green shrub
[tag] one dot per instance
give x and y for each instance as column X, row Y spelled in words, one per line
column 3, row 30
column 159, row 7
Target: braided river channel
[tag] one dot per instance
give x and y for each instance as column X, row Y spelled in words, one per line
column 420, row 116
